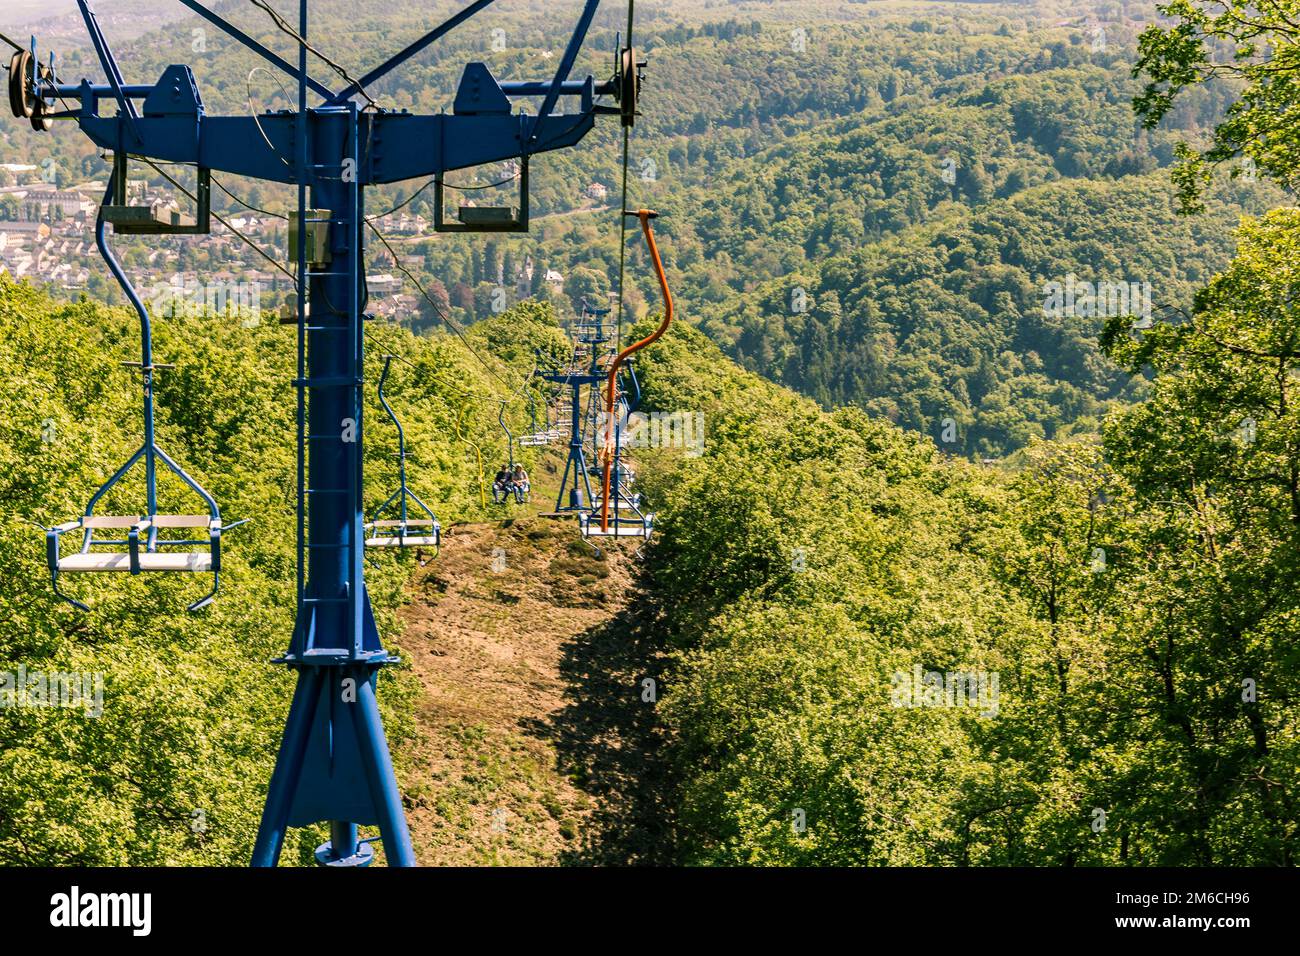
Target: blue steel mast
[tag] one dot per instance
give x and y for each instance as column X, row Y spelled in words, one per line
column 333, row 763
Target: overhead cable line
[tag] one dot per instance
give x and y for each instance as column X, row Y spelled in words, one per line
column 247, row 205
column 447, row 319
column 284, row 26
column 405, row 202
column 622, row 219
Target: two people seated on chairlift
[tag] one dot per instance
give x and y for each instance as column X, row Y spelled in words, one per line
column 509, row 482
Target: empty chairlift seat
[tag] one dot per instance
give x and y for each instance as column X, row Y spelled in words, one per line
column 411, row 533
column 402, row 531
column 621, row 516
column 141, row 535
column 619, row 525
column 135, row 544
column 625, row 518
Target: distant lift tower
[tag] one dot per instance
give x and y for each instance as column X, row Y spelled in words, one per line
column 333, row 763
column 584, row 372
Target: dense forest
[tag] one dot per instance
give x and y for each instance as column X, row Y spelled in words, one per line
column 1130, row 597
column 1122, row 606
column 834, row 184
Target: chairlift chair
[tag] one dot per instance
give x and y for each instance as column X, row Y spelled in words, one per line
column 510, row 442
column 624, row 517
column 608, row 518
column 537, row 436
column 396, row 532
column 145, row 546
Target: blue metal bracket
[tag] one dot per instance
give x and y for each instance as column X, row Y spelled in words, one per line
column 562, row 73
column 109, row 63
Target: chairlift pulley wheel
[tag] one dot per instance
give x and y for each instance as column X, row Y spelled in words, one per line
column 41, row 121
column 21, row 101
column 627, row 85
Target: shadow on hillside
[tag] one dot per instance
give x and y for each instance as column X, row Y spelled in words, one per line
column 608, row 742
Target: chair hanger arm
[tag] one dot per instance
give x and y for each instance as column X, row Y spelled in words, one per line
column 133, row 542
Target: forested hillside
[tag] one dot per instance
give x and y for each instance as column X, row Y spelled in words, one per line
column 952, row 323
column 1122, row 609
column 864, row 202
column 1131, row 602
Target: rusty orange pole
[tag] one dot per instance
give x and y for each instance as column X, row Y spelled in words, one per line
column 645, row 215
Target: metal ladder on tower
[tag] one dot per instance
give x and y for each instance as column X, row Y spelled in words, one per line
column 349, row 431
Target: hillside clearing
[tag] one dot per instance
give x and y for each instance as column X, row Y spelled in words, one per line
column 533, row 745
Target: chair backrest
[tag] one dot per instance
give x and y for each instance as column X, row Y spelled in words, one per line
column 181, row 521
column 110, row 521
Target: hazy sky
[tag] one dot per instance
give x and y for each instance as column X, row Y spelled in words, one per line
column 19, row 12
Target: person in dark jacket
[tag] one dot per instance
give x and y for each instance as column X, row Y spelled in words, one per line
column 501, row 486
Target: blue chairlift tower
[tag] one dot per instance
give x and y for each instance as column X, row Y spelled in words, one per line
column 584, row 372
column 333, row 764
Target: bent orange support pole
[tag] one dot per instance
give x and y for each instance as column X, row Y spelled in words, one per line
column 645, row 215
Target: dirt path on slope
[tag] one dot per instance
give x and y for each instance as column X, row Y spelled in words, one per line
column 534, row 746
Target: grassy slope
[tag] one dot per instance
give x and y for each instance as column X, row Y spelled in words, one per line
column 531, row 733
